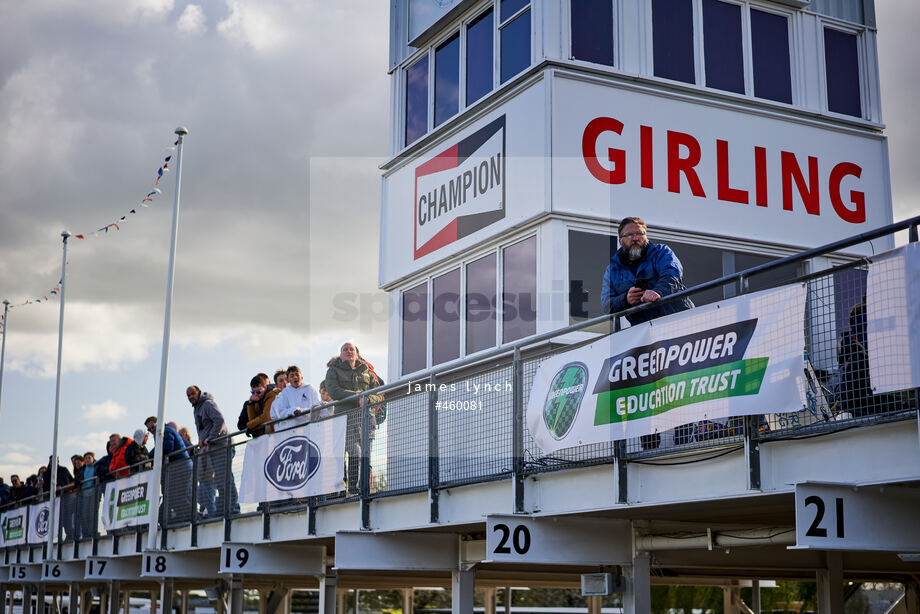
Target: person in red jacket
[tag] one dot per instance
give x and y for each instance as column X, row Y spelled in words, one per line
column 119, row 445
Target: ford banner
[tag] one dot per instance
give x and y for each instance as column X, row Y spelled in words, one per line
column 40, row 521
column 741, row 356
column 301, row 462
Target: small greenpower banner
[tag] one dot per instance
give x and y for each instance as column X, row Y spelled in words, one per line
column 126, row 502
column 741, row 356
column 13, row 527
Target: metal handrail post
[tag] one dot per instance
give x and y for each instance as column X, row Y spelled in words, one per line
column 365, row 477
column 434, row 463
column 517, row 430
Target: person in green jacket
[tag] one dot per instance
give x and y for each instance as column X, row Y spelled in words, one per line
column 348, row 375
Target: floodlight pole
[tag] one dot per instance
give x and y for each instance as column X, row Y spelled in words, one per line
column 154, row 495
column 6, row 312
column 53, row 465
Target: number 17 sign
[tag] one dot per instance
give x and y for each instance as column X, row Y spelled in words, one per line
column 852, row 517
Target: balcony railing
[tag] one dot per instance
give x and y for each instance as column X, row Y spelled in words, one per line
column 431, row 440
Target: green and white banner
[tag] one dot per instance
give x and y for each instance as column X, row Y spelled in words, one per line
column 741, row 356
column 127, row 501
column 13, row 527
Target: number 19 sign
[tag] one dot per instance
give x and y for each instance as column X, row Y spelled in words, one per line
column 851, row 517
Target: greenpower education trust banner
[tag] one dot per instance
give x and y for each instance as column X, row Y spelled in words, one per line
column 126, row 501
column 741, row 356
column 13, row 527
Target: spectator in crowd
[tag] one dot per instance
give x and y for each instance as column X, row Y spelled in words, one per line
column 4, row 492
column 323, row 393
column 258, row 407
column 31, row 488
column 297, row 398
column 118, row 446
column 855, row 390
column 280, row 378
column 64, row 482
column 185, row 435
column 87, row 497
column 212, row 439
column 348, row 374
column 642, row 272
column 177, row 467
column 64, row 478
column 101, row 466
column 77, row 462
column 17, row 489
column 137, row 452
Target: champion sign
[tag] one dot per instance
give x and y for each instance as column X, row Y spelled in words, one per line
column 292, row 463
column 461, row 190
column 41, row 522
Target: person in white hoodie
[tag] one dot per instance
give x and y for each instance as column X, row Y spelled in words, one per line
column 296, row 399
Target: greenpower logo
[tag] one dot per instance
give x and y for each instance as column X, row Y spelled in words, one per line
column 564, row 398
column 132, row 502
column 12, row 528
column 653, row 379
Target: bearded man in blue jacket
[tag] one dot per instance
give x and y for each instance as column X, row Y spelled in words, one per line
column 642, row 272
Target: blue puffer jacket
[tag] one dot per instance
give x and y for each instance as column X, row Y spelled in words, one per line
column 663, row 270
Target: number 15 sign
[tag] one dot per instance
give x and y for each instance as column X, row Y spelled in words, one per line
column 851, row 517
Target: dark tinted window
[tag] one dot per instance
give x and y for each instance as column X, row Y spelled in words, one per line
column 761, row 281
column 770, row 51
column 841, row 60
column 515, row 46
column 592, row 31
column 417, row 100
column 479, row 57
column 480, row 304
column 445, row 309
column 519, row 280
column 672, row 39
column 415, row 328
column 447, row 79
column 700, row 264
column 722, row 46
column 589, row 255
column 510, row 7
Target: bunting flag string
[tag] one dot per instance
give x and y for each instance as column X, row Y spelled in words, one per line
column 145, row 202
column 112, row 226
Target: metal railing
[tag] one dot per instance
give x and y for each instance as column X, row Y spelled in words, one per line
column 433, row 437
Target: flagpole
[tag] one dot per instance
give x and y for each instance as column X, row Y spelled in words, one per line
column 53, row 465
column 154, row 495
column 6, row 311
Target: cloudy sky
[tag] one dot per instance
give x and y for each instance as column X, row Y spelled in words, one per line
column 286, row 103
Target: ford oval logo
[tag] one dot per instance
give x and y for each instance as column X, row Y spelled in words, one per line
column 292, row 463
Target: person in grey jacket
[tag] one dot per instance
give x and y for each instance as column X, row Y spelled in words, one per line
column 212, row 439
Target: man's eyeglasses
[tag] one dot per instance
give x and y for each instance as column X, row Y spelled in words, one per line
column 632, row 235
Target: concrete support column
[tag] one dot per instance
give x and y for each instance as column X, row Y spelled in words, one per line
column 731, row 598
column 236, row 594
column 340, row 600
column 912, row 596
column 594, row 604
column 263, row 601
column 755, row 596
column 830, row 584
column 461, row 591
column 114, row 597
column 154, row 599
column 637, row 595
column 408, row 595
column 40, row 599
column 167, row 591
column 74, row 598
column 507, row 600
column 490, row 605
column 183, row 609
column 288, row 597
column 126, row 601
column 328, row 592
column 27, row 599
